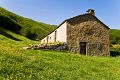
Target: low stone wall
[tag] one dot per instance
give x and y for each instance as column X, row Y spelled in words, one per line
column 58, row 47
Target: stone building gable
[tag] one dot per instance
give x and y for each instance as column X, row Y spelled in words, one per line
column 87, row 28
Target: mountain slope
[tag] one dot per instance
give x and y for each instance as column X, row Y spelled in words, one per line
column 24, row 26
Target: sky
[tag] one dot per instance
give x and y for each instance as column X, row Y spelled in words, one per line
column 55, row 11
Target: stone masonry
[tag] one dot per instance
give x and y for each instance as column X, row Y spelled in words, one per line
column 87, row 28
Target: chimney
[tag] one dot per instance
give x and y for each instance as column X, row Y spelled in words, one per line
column 91, row 11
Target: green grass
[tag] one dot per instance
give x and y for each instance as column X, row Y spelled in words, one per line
column 19, row 64
column 46, row 65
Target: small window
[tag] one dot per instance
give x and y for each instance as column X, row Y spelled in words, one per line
column 99, row 46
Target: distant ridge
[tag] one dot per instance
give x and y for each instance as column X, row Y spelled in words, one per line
column 115, row 36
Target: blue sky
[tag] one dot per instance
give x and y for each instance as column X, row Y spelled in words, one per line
column 56, row 11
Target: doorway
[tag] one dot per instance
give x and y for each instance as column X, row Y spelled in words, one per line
column 83, row 48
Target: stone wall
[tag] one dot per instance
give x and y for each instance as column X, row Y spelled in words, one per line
column 87, row 28
column 57, row 47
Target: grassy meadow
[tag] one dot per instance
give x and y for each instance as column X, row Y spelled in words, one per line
column 19, row 64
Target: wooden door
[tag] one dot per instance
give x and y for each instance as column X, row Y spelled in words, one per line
column 83, row 48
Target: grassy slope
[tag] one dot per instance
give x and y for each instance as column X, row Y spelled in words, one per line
column 29, row 27
column 19, row 64
column 115, row 36
column 115, row 32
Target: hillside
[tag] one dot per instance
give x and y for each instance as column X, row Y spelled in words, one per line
column 19, row 64
column 115, row 36
column 24, row 26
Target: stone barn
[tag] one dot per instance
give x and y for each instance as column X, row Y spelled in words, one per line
column 84, row 34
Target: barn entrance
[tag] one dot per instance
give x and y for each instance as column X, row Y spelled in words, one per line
column 83, row 48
